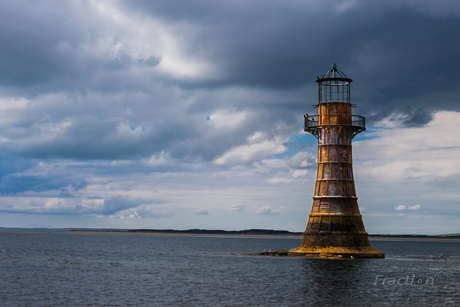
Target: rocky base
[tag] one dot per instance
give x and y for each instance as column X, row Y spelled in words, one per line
column 327, row 253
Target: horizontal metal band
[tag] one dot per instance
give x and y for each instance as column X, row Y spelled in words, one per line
column 336, row 196
column 329, row 162
column 334, row 214
column 331, row 179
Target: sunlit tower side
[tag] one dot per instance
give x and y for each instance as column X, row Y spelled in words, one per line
column 335, row 224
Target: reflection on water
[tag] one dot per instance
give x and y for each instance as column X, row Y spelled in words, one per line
column 333, row 281
column 119, row 270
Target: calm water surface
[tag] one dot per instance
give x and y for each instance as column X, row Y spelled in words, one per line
column 62, row 269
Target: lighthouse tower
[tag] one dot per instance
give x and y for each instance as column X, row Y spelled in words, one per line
column 335, row 225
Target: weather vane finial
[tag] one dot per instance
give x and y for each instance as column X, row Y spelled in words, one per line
column 334, row 66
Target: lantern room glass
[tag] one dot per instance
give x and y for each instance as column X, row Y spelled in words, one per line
column 334, row 91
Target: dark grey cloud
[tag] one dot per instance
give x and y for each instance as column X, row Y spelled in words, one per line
column 109, row 133
column 399, row 54
column 88, row 88
column 37, row 41
column 414, row 117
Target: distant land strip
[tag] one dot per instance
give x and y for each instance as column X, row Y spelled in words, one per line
column 247, row 232
column 256, row 232
column 270, row 232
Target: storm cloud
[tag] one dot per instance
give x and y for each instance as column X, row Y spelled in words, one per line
column 113, row 80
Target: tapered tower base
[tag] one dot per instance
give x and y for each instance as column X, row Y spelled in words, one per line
column 336, row 235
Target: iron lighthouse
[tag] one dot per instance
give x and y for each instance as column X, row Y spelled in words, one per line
column 335, row 225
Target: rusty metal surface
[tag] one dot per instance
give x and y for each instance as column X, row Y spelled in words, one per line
column 335, row 220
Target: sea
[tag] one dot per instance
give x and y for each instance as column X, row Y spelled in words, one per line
column 83, row 269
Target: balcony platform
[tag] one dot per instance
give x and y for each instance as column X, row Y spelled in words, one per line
column 313, row 123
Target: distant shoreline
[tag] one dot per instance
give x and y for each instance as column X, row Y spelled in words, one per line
column 279, row 236
column 249, row 233
column 255, row 233
column 272, row 235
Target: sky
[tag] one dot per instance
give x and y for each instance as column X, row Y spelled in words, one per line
column 189, row 113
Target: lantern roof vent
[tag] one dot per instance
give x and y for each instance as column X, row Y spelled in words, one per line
column 334, row 75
